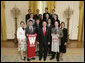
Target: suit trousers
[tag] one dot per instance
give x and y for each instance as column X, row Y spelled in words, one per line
column 43, row 48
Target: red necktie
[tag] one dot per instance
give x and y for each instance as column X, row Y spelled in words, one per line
column 44, row 32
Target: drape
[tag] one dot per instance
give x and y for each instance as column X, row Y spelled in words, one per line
column 50, row 5
column 81, row 22
column 33, row 6
column 81, row 25
column 3, row 24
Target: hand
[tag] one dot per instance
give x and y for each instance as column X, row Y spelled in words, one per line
column 37, row 42
column 58, row 35
column 48, row 43
column 65, row 43
column 27, row 34
column 18, row 41
column 35, row 34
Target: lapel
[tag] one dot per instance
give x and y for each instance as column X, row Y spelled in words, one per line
column 45, row 31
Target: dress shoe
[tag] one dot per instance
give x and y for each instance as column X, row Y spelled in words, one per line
column 33, row 58
column 40, row 59
column 51, row 58
column 44, row 59
column 28, row 59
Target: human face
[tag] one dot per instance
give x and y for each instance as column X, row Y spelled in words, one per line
column 62, row 25
column 22, row 25
column 46, row 10
column 55, row 16
column 47, row 15
column 53, row 11
column 30, row 23
column 37, row 21
column 56, row 24
column 49, row 21
column 31, row 15
column 29, row 11
column 44, row 24
column 37, row 11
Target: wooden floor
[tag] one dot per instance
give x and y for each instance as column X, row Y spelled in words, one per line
column 9, row 53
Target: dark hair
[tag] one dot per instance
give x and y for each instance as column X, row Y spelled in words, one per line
column 46, row 8
column 50, row 19
column 56, row 21
column 53, row 10
column 63, row 23
column 30, row 21
column 31, row 13
column 37, row 19
column 29, row 9
column 56, row 15
column 22, row 22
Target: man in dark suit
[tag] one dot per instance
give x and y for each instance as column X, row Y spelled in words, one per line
column 36, row 16
column 52, row 15
column 44, row 15
column 30, row 30
column 44, row 41
column 28, row 15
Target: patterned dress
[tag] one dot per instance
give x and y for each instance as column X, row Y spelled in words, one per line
column 21, row 36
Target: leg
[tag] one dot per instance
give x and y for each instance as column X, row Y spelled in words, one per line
column 53, row 55
column 40, row 52
column 58, row 55
column 45, row 52
column 22, row 55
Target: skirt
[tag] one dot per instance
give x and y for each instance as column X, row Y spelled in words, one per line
column 23, row 45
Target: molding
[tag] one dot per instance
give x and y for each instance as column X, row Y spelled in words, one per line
column 73, row 40
column 10, row 40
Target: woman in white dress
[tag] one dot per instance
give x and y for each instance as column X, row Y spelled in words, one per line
column 21, row 40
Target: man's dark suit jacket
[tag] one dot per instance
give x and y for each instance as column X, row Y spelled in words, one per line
column 44, row 16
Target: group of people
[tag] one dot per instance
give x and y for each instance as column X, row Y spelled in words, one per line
column 44, row 26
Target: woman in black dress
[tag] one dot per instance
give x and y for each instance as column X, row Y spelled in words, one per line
column 63, row 40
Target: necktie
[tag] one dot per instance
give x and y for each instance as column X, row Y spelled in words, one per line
column 44, row 32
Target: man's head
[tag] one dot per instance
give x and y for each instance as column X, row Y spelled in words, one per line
column 31, row 15
column 22, row 24
column 29, row 11
column 37, row 21
column 44, row 24
column 49, row 21
column 47, row 15
column 46, row 9
column 40, row 16
column 53, row 11
column 37, row 11
column 30, row 22
column 56, row 23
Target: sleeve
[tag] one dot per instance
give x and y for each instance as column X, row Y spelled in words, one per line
column 49, row 36
column 26, row 19
column 61, row 33
column 44, row 16
column 18, row 33
column 66, row 35
column 26, row 32
column 38, row 35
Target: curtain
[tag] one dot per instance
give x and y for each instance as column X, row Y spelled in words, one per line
column 3, row 24
column 33, row 6
column 50, row 5
column 81, row 25
column 81, row 22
